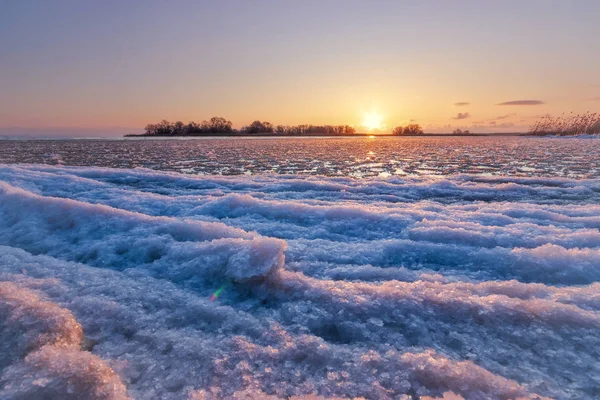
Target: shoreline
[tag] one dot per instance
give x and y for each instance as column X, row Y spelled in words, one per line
column 275, row 135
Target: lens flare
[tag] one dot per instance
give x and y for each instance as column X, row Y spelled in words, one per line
column 217, row 292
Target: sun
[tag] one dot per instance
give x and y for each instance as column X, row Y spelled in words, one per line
column 373, row 121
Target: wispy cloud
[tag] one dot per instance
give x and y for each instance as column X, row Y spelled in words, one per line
column 594, row 98
column 505, row 125
column 462, row 115
column 493, row 126
column 539, row 116
column 461, row 104
column 495, row 121
column 506, row 116
column 521, row 103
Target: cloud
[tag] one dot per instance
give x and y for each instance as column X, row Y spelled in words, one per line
column 506, row 125
column 493, row 125
column 594, row 98
column 461, row 104
column 539, row 116
column 506, row 116
column 462, row 115
column 521, row 103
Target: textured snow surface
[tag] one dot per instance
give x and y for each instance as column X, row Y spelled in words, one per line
column 139, row 284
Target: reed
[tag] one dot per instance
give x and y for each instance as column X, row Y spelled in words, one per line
column 567, row 125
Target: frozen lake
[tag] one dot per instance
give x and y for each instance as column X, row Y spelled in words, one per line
column 454, row 266
column 356, row 157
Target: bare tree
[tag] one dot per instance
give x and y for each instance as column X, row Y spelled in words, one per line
column 398, row 130
column 413, row 129
column 258, row 127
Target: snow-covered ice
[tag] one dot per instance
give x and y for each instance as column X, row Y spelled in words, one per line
column 567, row 157
column 132, row 283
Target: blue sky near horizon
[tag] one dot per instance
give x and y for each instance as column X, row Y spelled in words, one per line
column 117, row 65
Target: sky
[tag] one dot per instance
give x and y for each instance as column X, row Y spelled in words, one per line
column 82, row 67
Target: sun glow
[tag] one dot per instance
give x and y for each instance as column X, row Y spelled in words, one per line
column 373, row 121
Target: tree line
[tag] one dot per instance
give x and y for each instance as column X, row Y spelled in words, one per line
column 222, row 126
column 267, row 127
column 165, row 128
column 411, row 129
column 219, row 125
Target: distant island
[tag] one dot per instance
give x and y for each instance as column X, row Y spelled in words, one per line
column 565, row 125
column 219, row 126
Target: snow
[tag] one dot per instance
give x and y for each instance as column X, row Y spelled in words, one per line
column 143, row 284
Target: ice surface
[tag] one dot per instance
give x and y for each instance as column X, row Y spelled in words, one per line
column 358, row 157
column 42, row 355
column 144, row 284
column 111, row 238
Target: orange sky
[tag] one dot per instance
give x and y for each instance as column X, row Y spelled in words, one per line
column 115, row 65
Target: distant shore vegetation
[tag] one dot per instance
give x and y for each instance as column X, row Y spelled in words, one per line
column 219, row 126
column 461, row 132
column 408, row 130
column 222, row 126
column 567, row 125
